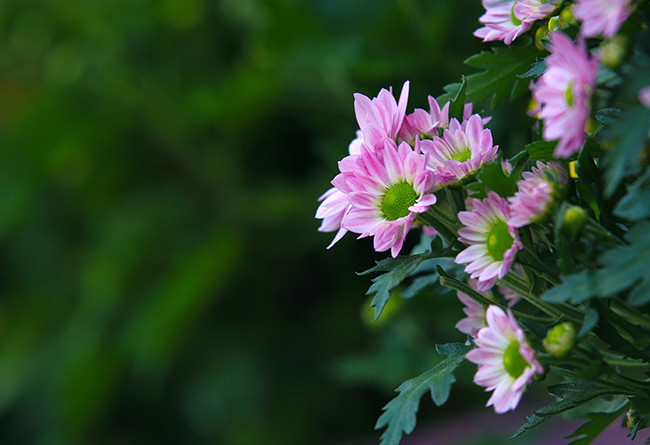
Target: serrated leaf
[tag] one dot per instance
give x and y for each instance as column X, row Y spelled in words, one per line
column 589, row 431
column 570, row 395
column 620, row 269
column 627, row 136
column 457, row 104
column 536, row 71
column 400, row 413
column 501, row 69
column 634, row 205
column 396, row 270
column 588, row 323
column 492, row 176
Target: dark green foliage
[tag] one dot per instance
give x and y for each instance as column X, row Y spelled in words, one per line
column 634, row 205
column 570, row 395
column 619, row 269
column 396, row 270
column 399, row 413
column 501, row 69
column 589, row 431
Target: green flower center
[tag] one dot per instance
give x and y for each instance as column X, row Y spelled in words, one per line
column 515, row 20
column 568, row 95
column 513, row 361
column 499, row 241
column 397, row 200
column 462, row 156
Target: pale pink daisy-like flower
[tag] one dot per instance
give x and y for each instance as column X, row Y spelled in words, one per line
column 506, row 363
column 564, row 93
column 536, row 193
column 506, row 20
column 474, row 310
column 381, row 117
column 386, row 190
column 425, row 124
column 601, row 17
column 334, row 205
column 461, row 151
column 493, row 244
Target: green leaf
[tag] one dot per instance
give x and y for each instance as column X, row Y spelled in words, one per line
column 634, row 206
column 589, row 431
column 620, row 269
column 397, row 269
column 400, row 413
column 501, row 69
column 536, row 71
column 492, row 176
column 589, row 322
column 627, row 136
column 457, row 104
column 570, row 395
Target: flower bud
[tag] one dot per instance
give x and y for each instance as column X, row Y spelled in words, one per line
column 567, row 17
column 632, row 418
column 554, row 23
column 573, row 220
column 541, row 38
column 611, row 52
column 559, row 339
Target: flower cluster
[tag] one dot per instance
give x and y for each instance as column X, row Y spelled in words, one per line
column 396, row 164
column 517, row 228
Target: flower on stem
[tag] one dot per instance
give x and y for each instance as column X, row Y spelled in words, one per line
column 493, row 244
column 386, row 190
column 536, row 193
column 379, row 118
column 461, row 151
column 474, row 310
column 425, row 124
column 601, row 17
column 559, row 339
column 564, row 93
column 506, row 20
column 334, row 206
column 506, row 362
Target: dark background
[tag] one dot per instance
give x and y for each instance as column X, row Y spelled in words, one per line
column 161, row 276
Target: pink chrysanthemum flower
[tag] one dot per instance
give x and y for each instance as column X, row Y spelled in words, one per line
column 506, row 20
column 334, row 205
column 601, row 17
column 425, row 124
column 564, row 93
column 493, row 244
column 475, row 312
column 536, row 193
column 379, row 118
column 461, row 150
column 506, row 362
column 386, row 190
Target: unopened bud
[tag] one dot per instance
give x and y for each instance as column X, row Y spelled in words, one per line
column 567, row 17
column 611, row 52
column 559, row 339
column 632, row 418
column 541, row 38
column 554, row 23
column 573, row 220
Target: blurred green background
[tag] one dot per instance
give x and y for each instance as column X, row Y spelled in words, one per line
column 162, row 278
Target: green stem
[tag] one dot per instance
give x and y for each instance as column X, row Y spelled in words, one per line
column 452, row 283
column 530, row 259
column 441, row 222
column 625, row 311
column 517, row 285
